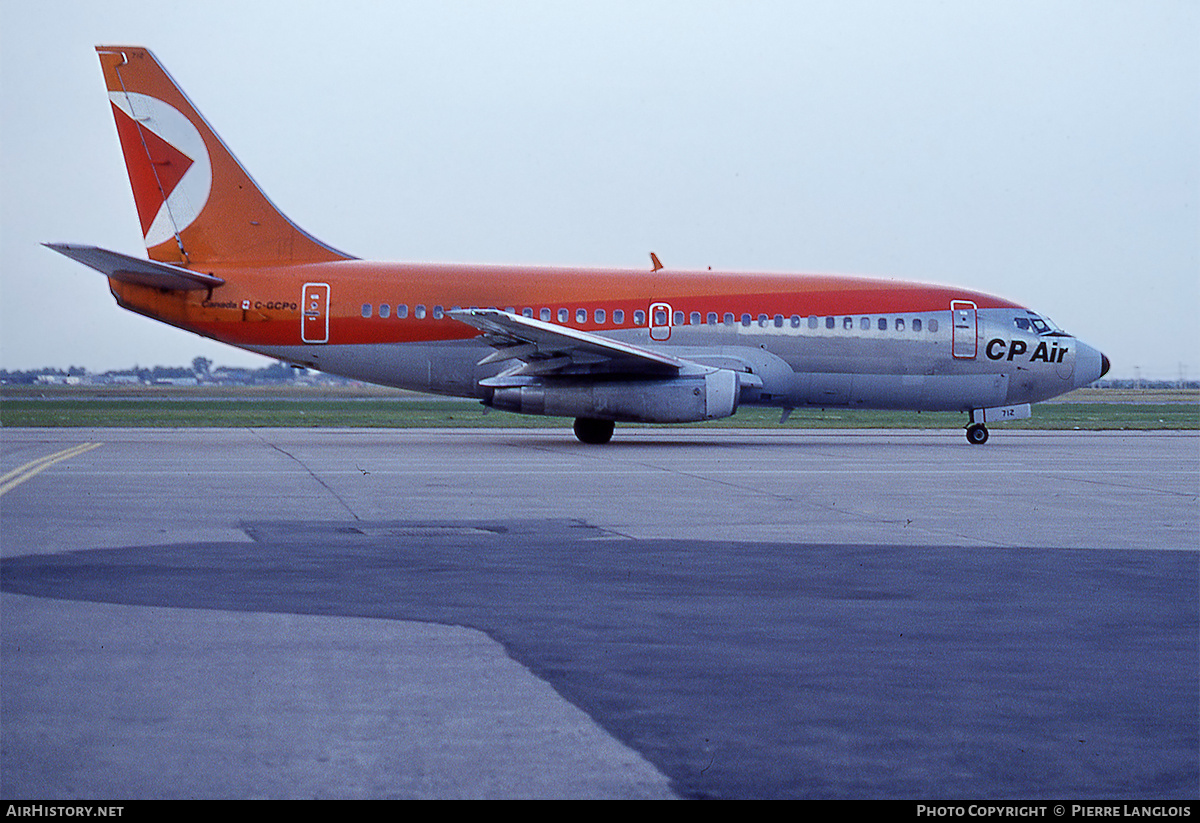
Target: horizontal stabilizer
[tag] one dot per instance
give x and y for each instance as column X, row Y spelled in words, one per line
column 128, row 269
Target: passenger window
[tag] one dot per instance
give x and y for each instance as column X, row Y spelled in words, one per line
column 438, row 311
column 402, row 311
column 795, row 321
column 660, row 317
column 366, row 310
column 599, row 316
column 762, row 321
column 639, row 318
column 581, row 316
column 728, row 318
column 932, row 324
column 813, row 322
column 563, row 315
column 882, row 324
column 899, row 324
column 831, row 322
column 864, row 323
column 527, row 312
column 848, row 323
column 712, row 318
column 916, row 324
column 618, row 316
column 694, row 319
column 419, row 312
column 779, row 321
column 385, row 310
column 745, row 320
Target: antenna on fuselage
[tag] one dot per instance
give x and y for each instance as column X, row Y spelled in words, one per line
column 655, row 261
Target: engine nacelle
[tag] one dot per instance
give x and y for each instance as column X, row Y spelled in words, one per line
column 683, row 399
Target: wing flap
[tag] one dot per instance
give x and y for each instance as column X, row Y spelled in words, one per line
column 128, row 269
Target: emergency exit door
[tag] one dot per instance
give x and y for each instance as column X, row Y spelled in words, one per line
column 660, row 321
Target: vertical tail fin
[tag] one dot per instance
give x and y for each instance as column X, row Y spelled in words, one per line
column 195, row 201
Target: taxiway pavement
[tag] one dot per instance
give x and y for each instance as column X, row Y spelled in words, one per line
column 509, row 613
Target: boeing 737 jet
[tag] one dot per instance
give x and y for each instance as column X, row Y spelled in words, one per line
column 599, row 345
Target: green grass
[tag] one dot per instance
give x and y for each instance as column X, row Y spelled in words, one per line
column 403, row 412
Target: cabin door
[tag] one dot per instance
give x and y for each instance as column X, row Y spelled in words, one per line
column 965, row 344
column 314, row 313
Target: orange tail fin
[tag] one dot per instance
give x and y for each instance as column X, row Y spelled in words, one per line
column 195, row 201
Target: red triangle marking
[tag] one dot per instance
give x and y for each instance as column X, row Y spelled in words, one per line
column 165, row 166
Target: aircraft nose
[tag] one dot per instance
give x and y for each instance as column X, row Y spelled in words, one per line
column 1090, row 365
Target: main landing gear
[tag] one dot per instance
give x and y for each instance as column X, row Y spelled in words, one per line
column 977, row 434
column 593, row 431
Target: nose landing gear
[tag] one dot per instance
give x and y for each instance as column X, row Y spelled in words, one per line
column 977, row 433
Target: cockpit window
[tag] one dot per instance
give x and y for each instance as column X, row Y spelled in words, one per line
column 1038, row 325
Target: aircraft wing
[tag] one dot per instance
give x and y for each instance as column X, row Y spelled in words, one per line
column 550, row 349
column 128, row 269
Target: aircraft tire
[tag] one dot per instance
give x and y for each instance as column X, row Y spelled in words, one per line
column 593, row 431
column 977, row 434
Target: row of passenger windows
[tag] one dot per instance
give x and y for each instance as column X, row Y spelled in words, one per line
column 600, row 316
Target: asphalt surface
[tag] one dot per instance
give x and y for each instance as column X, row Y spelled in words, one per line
column 290, row 613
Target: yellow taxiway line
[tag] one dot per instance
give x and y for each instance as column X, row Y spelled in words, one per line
column 19, row 475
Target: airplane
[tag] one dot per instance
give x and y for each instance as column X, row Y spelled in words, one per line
column 599, row 345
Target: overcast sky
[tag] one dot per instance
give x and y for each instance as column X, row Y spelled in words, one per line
column 1047, row 152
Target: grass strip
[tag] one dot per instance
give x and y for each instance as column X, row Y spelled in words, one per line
column 427, row 413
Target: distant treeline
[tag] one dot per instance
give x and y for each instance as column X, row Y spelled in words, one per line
column 201, row 372
column 1147, row 384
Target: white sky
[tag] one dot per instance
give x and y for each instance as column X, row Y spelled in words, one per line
column 1048, row 152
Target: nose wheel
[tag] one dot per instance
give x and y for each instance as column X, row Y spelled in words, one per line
column 977, row 434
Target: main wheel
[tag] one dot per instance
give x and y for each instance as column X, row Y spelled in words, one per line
column 591, row 430
column 977, row 434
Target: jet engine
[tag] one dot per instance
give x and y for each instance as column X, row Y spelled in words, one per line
column 682, row 399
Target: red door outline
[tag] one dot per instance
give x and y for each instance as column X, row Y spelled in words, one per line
column 965, row 344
